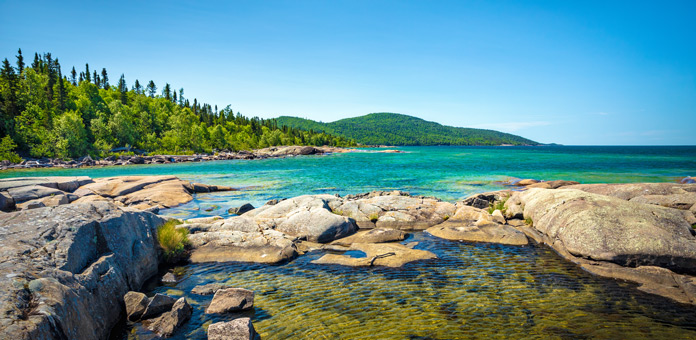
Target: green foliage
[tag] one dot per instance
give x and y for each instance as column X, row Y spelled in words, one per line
column 374, row 217
column 173, row 240
column 498, row 205
column 398, row 129
column 7, row 146
column 50, row 116
column 528, row 221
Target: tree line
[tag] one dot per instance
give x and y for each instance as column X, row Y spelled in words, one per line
column 45, row 113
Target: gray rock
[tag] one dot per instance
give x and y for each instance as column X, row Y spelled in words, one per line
column 237, row 329
column 677, row 201
column 77, row 260
column 169, row 278
column 477, row 225
column 241, row 210
column 378, row 254
column 6, row 202
column 31, row 192
column 136, row 303
column 166, row 324
column 157, row 305
column 372, row 236
column 631, row 190
column 231, row 300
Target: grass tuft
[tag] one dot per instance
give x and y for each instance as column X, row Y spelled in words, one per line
column 528, row 221
column 173, row 240
column 374, row 217
column 498, row 205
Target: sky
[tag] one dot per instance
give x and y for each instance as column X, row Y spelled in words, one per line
column 567, row 72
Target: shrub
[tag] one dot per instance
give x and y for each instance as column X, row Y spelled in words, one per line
column 173, row 240
column 7, row 146
column 498, row 205
column 374, row 217
column 528, row 221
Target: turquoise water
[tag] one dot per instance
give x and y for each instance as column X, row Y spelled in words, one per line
column 482, row 291
column 449, row 173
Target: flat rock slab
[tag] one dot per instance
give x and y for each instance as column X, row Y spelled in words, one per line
column 207, row 289
column 231, row 300
column 268, row 246
column 381, row 254
column 631, row 190
column 372, row 236
column 477, row 225
column 32, row 192
column 237, row 329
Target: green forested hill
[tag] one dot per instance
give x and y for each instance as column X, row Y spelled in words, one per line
column 397, row 129
column 47, row 113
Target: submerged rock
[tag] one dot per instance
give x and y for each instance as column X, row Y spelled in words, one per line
column 237, row 329
column 157, row 305
column 231, row 300
column 380, row 254
column 207, row 289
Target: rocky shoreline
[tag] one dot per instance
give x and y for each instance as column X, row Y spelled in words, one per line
column 77, row 246
column 270, row 152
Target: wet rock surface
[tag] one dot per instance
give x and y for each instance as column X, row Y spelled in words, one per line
column 228, row 300
column 377, row 254
column 477, row 225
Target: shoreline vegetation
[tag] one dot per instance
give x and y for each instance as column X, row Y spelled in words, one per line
column 48, row 114
column 637, row 232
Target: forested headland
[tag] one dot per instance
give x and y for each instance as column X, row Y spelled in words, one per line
column 47, row 113
column 386, row 128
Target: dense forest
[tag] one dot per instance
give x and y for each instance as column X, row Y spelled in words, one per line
column 46, row 113
column 397, row 129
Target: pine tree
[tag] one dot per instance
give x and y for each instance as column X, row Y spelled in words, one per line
column 152, row 88
column 123, row 89
column 50, row 70
column 104, row 79
column 61, row 89
column 95, row 78
column 20, row 62
column 87, row 74
column 167, row 92
column 73, row 76
column 9, row 95
column 37, row 62
column 137, row 88
column 82, row 77
column 174, row 97
column 181, row 96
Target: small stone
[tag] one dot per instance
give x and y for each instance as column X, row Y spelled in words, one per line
column 231, row 300
column 136, row 303
column 208, row 289
column 158, row 304
column 169, row 278
column 169, row 322
column 237, row 329
column 240, row 210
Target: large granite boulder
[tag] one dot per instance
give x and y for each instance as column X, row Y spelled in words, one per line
column 306, row 217
column 617, row 238
column 64, row 270
column 372, row 236
column 631, row 190
column 394, row 210
column 477, row 225
column 266, row 246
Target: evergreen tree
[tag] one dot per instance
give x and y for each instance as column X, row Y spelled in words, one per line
column 73, row 76
column 82, row 77
column 95, row 78
column 20, row 62
column 104, row 79
column 167, row 92
column 37, row 62
column 152, row 88
column 51, row 71
column 61, row 89
column 123, row 89
column 174, row 97
column 137, row 88
column 87, row 74
column 9, row 95
column 181, row 96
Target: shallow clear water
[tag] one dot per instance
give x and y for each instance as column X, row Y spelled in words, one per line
column 472, row 290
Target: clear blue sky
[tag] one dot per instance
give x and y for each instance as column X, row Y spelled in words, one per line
column 570, row 72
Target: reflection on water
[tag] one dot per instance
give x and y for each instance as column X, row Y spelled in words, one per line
column 472, row 291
